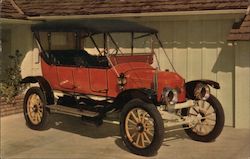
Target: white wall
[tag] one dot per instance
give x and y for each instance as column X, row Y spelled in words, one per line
column 199, row 50
column 242, row 84
column 21, row 39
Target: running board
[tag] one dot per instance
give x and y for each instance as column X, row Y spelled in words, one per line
column 71, row 111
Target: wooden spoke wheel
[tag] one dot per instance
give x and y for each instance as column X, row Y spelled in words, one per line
column 139, row 127
column 206, row 117
column 34, row 109
column 142, row 128
column 210, row 120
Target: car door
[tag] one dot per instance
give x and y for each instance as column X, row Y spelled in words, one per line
column 64, row 67
column 98, row 80
column 90, row 80
column 81, row 79
column 65, row 78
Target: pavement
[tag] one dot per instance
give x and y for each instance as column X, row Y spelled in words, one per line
column 69, row 138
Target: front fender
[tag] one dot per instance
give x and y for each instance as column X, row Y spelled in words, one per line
column 190, row 86
column 147, row 95
column 44, row 85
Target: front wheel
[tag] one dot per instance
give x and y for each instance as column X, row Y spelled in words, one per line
column 210, row 116
column 141, row 127
column 34, row 109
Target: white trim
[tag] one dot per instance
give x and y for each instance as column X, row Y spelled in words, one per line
column 206, row 12
column 15, row 21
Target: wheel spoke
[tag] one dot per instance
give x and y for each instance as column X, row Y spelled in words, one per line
column 210, row 119
column 138, row 114
column 132, row 128
column 205, row 128
column 193, row 114
column 208, row 123
column 208, row 107
column 202, row 104
column 142, row 140
column 149, row 133
column 40, row 114
column 40, row 110
column 196, row 128
column 32, row 113
column 132, row 122
column 38, row 117
column 134, row 116
column 199, row 128
column 143, row 117
column 211, row 113
column 133, row 135
column 34, row 118
column 146, row 137
column 195, row 110
column 149, row 126
column 138, row 139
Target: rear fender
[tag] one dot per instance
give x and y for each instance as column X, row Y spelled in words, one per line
column 190, row 86
column 44, row 85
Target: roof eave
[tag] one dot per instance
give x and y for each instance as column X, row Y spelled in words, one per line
column 127, row 15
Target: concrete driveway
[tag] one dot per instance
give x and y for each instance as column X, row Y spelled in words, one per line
column 69, row 138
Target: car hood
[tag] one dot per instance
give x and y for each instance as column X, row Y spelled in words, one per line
column 142, row 75
column 132, row 66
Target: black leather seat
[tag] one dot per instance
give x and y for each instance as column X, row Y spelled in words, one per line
column 77, row 58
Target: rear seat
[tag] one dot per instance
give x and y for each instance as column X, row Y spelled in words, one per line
column 76, row 58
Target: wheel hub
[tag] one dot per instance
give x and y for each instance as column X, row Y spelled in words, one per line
column 140, row 127
column 202, row 117
column 35, row 108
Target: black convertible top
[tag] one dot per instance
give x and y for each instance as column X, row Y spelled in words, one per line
column 93, row 26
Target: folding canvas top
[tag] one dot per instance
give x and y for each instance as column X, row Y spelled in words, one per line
column 94, row 26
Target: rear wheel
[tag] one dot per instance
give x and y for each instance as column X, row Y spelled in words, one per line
column 141, row 127
column 210, row 117
column 34, row 109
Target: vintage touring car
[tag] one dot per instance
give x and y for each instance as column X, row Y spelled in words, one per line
column 149, row 101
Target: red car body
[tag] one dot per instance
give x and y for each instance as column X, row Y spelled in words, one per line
column 103, row 81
